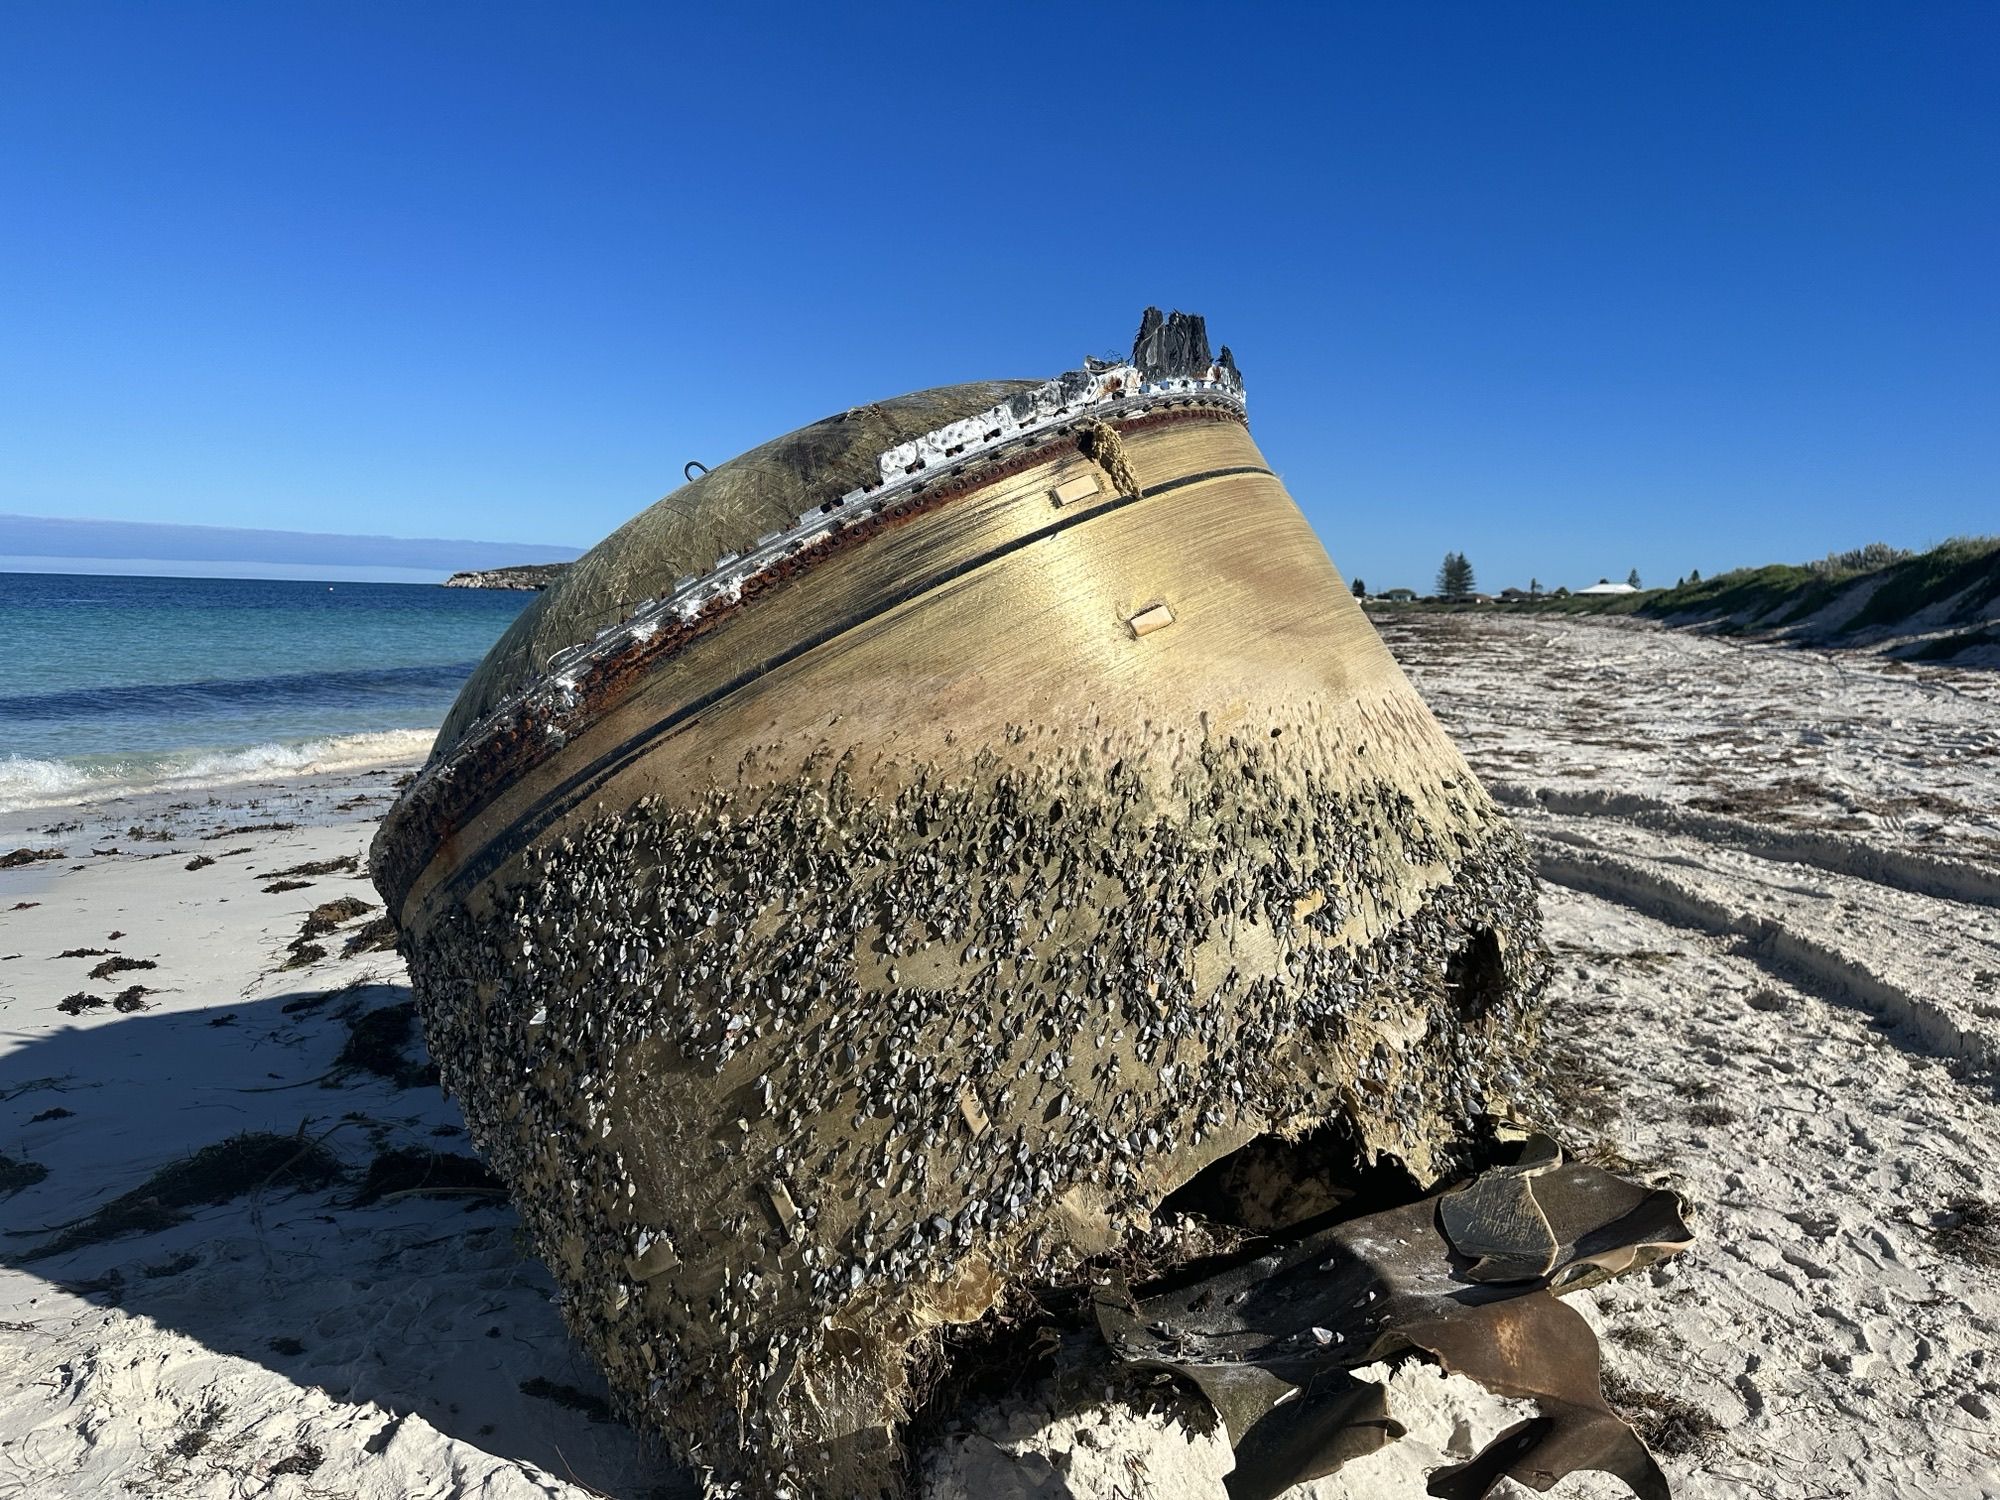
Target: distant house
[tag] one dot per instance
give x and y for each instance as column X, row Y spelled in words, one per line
column 1399, row 596
column 1510, row 595
column 1609, row 588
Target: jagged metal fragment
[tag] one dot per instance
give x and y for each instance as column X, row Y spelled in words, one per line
column 1496, row 1222
column 1272, row 1341
column 877, row 875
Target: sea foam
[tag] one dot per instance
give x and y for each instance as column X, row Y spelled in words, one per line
column 28, row 782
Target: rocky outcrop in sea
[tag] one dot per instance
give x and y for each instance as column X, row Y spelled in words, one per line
column 526, row 576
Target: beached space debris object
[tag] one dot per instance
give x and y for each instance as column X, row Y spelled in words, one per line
column 870, row 881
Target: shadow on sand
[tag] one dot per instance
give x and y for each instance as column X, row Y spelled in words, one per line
column 425, row 1306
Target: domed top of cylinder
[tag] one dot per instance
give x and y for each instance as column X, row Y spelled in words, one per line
column 720, row 514
column 766, row 499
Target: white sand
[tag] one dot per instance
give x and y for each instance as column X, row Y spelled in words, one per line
column 415, row 1321
column 1776, row 907
column 1790, row 1010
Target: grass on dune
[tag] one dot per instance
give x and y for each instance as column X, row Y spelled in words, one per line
column 1777, row 595
column 1964, row 565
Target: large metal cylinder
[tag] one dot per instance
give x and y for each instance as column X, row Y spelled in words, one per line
column 884, row 870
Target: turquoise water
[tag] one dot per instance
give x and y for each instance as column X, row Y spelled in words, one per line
column 112, row 681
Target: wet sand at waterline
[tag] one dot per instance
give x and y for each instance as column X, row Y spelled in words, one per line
column 1772, row 882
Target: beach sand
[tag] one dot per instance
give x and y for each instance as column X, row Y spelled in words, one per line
column 1774, row 897
column 281, row 1342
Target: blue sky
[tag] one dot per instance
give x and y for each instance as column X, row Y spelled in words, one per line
column 1572, row 288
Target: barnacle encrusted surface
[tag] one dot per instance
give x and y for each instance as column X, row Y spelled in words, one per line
column 897, row 912
column 786, row 1077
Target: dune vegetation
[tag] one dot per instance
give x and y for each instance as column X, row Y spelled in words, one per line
column 1939, row 605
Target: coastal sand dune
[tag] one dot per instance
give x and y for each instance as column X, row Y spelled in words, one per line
column 1773, row 886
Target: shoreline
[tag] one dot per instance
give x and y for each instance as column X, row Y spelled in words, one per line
column 206, row 772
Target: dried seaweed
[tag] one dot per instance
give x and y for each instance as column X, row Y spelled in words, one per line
column 377, row 1042
column 346, row 864
column 16, row 1174
column 112, row 966
column 15, row 857
column 232, row 1168
column 411, row 1169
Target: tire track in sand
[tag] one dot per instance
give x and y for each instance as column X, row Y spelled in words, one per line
column 1774, row 939
column 1918, row 874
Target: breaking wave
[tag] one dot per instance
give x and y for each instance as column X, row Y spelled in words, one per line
column 28, row 782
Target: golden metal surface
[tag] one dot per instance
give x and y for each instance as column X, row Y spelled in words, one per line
column 1039, row 636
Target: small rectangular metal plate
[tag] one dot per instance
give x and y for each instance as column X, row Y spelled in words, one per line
column 1155, row 617
column 1072, row 490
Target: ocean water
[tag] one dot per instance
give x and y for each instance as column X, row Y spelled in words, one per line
column 109, row 683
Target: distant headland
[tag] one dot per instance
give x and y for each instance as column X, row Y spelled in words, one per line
column 525, row 576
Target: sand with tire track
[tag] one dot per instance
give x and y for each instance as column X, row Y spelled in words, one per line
column 1772, row 878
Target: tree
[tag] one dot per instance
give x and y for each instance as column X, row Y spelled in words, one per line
column 1633, row 578
column 1534, row 588
column 1360, row 589
column 1454, row 579
column 1695, row 576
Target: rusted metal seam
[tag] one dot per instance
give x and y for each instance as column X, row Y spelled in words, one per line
column 579, row 786
column 518, row 733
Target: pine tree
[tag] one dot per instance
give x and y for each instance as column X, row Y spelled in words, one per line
column 1695, row 576
column 1534, row 588
column 1360, row 589
column 1454, row 580
column 1633, row 578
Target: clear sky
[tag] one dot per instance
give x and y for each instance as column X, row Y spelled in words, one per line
column 1572, row 287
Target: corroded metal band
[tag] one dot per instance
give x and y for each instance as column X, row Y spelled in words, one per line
column 427, row 823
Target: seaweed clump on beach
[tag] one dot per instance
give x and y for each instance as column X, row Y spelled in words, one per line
column 117, row 965
column 411, row 1169
column 17, row 857
column 16, row 1174
column 1667, row 1423
column 243, row 1164
column 346, row 864
column 377, row 1042
column 331, row 914
column 377, row 936
column 321, row 920
column 231, row 832
column 1970, row 1229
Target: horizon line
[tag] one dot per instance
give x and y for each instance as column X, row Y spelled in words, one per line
column 153, row 544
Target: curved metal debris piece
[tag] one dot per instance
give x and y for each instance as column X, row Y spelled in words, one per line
column 877, row 875
column 1496, row 1222
column 1271, row 1342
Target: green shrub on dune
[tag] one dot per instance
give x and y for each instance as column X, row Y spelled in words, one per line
column 1901, row 587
